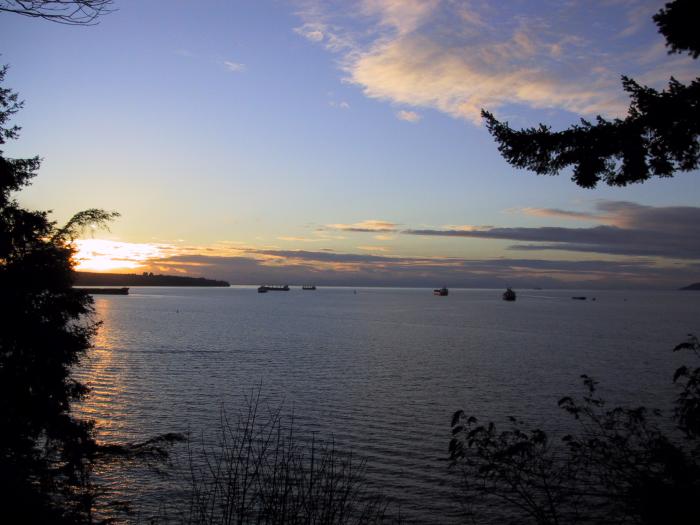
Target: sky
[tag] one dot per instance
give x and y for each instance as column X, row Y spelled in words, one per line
column 339, row 142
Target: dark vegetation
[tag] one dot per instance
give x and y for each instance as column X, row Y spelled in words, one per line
column 47, row 327
column 264, row 470
column 622, row 465
column 657, row 138
column 694, row 286
column 145, row 279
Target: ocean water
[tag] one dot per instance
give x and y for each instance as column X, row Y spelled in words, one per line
column 380, row 369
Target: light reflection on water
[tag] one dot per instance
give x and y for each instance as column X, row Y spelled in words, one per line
column 382, row 370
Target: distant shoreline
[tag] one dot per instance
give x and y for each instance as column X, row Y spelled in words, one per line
column 135, row 279
column 128, row 279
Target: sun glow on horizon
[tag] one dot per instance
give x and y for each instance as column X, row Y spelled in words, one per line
column 102, row 255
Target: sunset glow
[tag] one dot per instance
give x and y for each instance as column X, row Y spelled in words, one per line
column 99, row 255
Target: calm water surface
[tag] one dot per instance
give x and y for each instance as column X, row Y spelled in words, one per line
column 380, row 369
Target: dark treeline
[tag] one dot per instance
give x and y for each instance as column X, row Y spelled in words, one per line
column 145, row 279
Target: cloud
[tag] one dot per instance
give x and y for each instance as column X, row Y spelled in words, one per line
column 460, row 81
column 341, row 105
column 373, row 248
column 561, row 214
column 402, row 16
column 330, row 268
column 638, row 16
column 325, row 256
column 366, row 226
column 300, row 239
column 408, row 116
column 311, row 31
column 459, row 57
column 234, row 67
column 631, row 229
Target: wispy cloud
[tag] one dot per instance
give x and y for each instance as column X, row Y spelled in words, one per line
column 368, row 226
column 408, row 116
column 311, row 31
column 300, row 239
column 638, row 16
column 340, row 105
column 561, row 214
column 373, row 248
column 234, row 67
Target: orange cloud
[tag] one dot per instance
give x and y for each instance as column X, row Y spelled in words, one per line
column 408, row 116
column 371, row 225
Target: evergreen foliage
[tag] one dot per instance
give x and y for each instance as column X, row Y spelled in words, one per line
column 46, row 327
column 658, row 137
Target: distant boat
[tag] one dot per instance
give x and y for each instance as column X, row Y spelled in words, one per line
column 579, row 297
column 309, row 287
column 509, row 295
column 441, row 291
column 105, row 291
column 273, row 288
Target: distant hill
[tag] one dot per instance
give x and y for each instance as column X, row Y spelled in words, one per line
column 135, row 279
column 694, row 286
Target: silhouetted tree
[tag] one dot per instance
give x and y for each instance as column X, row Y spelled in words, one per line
column 71, row 12
column 620, row 467
column 658, row 137
column 46, row 327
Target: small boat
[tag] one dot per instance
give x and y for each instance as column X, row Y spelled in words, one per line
column 309, row 287
column 579, row 297
column 509, row 295
column 273, row 288
column 442, row 292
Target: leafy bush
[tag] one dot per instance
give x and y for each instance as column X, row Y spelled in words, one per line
column 620, row 467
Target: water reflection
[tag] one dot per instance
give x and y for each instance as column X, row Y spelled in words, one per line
column 107, row 407
column 105, row 403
